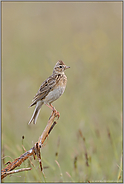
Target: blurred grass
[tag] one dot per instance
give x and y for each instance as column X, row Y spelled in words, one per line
column 87, row 36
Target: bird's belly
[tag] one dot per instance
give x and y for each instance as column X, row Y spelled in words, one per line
column 54, row 95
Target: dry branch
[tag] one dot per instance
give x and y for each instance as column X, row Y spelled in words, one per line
column 35, row 150
column 19, row 170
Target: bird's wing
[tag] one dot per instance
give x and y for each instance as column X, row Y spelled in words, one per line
column 44, row 89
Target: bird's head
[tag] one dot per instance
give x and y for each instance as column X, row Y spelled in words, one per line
column 60, row 67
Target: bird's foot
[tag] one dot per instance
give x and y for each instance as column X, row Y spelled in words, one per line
column 56, row 112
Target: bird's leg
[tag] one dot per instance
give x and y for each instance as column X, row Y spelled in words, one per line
column 53, row 108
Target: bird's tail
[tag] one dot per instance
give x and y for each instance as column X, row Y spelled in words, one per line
column 36, row 112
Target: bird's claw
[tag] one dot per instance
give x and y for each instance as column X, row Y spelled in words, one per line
column 56, row 112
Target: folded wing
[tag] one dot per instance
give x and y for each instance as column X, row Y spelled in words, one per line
column 44, row 89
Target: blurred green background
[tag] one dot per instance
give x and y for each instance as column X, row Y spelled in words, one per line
column 87, row 36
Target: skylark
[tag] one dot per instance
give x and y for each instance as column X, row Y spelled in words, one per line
column 50, row 90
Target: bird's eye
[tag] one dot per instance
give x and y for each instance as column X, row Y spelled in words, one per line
column 60, row 66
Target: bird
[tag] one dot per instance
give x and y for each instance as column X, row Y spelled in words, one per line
column 50, row 90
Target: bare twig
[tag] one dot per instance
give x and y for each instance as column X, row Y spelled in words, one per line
column 18, row 170
column 29, row 157
column 35, row 150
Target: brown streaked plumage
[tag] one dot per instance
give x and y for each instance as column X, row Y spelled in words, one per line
column 50, row 90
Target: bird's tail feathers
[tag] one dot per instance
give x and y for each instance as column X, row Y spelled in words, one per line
column 36, row 112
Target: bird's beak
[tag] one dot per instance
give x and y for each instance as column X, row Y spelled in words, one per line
column 66, row 67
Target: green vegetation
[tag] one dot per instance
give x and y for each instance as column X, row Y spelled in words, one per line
column 86, row 143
